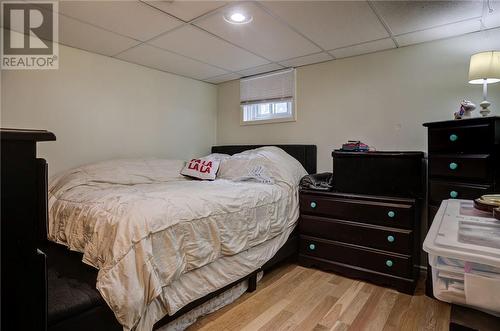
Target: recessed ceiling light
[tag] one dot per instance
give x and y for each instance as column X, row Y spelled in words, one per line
column 237, row 18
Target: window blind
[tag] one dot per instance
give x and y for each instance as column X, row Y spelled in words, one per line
column 271, row 87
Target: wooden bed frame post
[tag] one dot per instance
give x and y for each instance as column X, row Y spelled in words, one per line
column 252, row 282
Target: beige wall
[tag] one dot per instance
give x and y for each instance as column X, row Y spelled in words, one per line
column 381, row 98
column 101, row 108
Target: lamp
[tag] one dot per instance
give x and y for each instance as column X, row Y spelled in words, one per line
column 485, row 69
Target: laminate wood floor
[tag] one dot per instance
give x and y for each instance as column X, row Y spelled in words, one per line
column 296, row 298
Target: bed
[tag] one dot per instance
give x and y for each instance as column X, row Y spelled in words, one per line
column 74, row 302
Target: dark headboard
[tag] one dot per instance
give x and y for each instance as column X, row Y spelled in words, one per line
column 305, row 154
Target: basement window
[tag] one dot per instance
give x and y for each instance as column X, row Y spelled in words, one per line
column 268, row 98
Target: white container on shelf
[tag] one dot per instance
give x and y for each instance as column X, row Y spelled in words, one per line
column 464, row 253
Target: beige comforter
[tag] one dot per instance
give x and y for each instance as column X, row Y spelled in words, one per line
column 143, row 225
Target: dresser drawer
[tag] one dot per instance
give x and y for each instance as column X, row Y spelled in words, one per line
column 442, row 190
column 466, row 167
column 371, row 212
column 465, row 138
column 394, row 264
column 389, row 239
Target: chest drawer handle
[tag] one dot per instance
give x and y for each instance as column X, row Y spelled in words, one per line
column 312, row 247
column 391, row 214
column 453, row 137
column 453, row 194
column 453, row 166
column 389, row 263
column 390, row 239
column 313, row 204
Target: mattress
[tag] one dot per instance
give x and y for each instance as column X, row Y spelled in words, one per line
column 160, row 240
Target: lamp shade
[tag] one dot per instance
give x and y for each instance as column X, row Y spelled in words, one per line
column 485, row 66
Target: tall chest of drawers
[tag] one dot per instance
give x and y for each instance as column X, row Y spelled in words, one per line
column 463, row 162
column 463, row 159
column 368, row 237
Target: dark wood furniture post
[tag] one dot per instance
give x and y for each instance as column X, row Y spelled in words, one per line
column 23, row 214
column 252, row 283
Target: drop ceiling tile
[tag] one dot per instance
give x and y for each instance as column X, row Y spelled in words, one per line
column 153, row 57
column 187, row 10
column 264, row 35
column 308, row 59
column 441, row 32
column 260, row 69
column 410, row 16
column 222, row 78
column 84, row 36
column 331, row 24
column 198, row 44
column 129, row 18
column 369, row 47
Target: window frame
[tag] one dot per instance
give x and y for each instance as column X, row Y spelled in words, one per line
column 291, row 118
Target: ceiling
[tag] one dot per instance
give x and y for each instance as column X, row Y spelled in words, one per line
column 192, row 39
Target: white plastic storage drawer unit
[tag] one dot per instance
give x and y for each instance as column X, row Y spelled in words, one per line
column 464, row 253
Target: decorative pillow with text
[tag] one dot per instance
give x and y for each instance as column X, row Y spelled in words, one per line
column 202, row 168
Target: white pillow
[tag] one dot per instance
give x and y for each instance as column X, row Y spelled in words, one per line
column 270, row 164
column 203, row 168
column 217, row 156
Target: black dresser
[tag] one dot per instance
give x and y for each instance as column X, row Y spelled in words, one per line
column 464, row 159
column 372, row 231
column 463, row 162
column 24, row 210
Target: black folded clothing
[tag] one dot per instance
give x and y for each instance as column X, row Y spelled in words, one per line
column 320, row 182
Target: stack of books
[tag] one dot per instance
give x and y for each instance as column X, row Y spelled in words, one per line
column 355, row 146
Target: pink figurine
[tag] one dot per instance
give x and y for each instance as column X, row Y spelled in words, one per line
column 466, row 109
